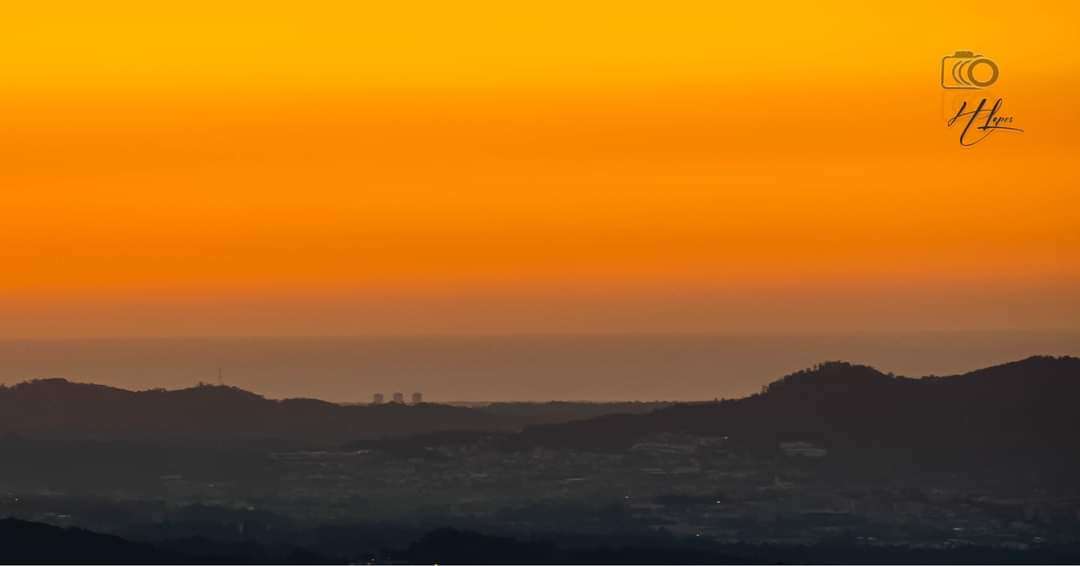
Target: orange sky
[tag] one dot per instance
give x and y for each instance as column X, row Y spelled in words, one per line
column 338, row 168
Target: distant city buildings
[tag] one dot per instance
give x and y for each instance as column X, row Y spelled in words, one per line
column 397, row 398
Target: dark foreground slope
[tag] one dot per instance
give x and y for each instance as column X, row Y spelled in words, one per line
column 1025, row 409
column 25, row 542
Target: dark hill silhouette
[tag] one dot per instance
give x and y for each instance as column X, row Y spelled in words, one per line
column 57, row 408
column 28, row 542
column 1024, row 408
column 25, row 542
column 1017, row 410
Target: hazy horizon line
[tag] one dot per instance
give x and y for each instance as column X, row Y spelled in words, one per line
column 576, row 334
column 479, row 404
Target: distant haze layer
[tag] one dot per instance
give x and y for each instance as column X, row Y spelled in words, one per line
column 490, row 368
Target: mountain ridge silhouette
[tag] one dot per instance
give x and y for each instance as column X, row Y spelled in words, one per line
column 1025, row 404
column 1028, row 407
column 58, row 408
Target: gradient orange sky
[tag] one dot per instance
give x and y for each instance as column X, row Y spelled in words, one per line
column 316, row 168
